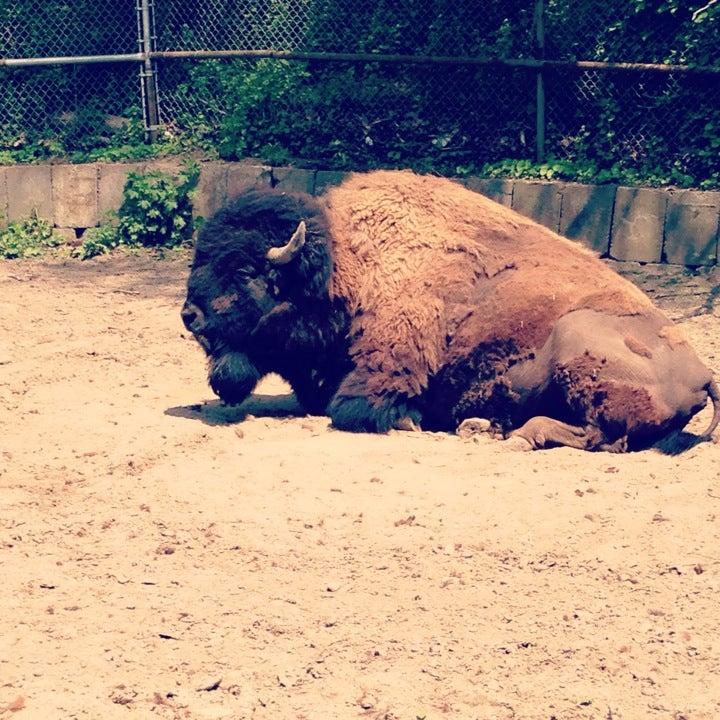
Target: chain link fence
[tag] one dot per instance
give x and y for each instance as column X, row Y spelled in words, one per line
column 66, row 107
column 446, row 84
column 46, row 28
column 462, row 27
column 655, row 121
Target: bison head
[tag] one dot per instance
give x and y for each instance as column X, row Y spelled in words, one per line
column 255, row 263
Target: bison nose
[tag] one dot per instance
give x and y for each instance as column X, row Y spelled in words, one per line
column 193, row 317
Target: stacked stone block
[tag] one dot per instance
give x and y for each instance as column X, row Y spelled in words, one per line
column 628, row 224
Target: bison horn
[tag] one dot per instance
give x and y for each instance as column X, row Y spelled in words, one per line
column 286, row 253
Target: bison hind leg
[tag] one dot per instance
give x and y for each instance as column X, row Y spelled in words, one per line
column 542, row 432
column 359, row 414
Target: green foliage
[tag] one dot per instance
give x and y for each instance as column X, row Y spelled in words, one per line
column 128, row 152
column 44, row 150
column 661, row 130
column 83, row 27
column 349, row 116
column 653, row 31
column 90, row 135
column 157, row 211
column 639, row 128
column 265, row 98
column 97, row 241
column 29, row 237
column 592, row 172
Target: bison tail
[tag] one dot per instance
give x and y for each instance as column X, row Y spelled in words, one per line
column 714, row 393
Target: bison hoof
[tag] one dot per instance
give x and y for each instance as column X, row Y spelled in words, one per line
column 474, row 426
column 407, row 424
column 517, row 443
column 619, row 446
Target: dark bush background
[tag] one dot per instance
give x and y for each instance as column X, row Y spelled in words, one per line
column 609, row 125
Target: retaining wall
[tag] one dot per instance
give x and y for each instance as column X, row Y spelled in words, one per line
column 633, row 224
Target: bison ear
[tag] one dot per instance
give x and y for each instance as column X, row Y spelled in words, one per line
column 287, row 253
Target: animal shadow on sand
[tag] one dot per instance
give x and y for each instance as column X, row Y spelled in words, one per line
column 216, row 412
column 679, row 442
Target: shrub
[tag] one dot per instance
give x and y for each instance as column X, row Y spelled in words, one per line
column 156, row 212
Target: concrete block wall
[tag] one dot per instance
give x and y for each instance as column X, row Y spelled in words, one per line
column 631, row 224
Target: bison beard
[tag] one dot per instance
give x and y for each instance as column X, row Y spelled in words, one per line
column 233, row 377
column 397, row 301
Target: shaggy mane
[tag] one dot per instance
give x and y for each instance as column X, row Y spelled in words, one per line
column 263, row 213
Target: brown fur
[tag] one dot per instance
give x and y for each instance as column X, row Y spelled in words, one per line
column 475, row 310
column 633, row 393
column 424, row 257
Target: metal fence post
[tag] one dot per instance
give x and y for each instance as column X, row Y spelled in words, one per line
column 540, row 90
column 148, row 74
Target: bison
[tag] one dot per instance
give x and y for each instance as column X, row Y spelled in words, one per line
column 403, row 301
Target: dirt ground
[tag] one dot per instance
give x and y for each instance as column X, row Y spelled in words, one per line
column 164, row 557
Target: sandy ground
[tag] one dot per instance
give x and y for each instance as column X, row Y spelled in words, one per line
column 164, row 557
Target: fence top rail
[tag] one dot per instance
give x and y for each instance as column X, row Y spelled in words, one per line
column 434, row 60
column 71, row 60
column 531, row 63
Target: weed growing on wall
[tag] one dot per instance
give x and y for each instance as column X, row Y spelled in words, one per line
column 591, row 172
